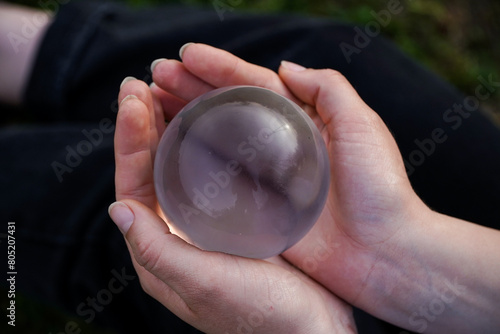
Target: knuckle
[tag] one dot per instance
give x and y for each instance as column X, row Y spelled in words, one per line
column 329, row 79
column 232, row 69
column 140, row 191
column 169, row 74
column 147, row 255
column 334, row 76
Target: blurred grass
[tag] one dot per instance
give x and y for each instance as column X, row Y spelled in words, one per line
column 458, row 39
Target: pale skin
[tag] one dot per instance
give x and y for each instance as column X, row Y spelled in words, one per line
column 21, row 32
column 215, row 292
column 376, row 245
column 386, row 252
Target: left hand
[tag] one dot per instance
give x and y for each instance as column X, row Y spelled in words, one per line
column 214, row 292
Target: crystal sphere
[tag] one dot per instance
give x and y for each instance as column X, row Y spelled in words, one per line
column 242, row 170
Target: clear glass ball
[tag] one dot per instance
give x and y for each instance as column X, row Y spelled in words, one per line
column 242, row 170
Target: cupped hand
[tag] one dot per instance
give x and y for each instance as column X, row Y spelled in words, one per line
column 371, row 206
column 215, row 292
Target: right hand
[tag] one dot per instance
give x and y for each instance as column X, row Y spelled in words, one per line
column 371, row 201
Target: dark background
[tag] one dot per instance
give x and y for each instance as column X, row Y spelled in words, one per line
column 458, row 39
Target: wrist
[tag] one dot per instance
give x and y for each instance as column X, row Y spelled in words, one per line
column 394, row 285
column 436, row 275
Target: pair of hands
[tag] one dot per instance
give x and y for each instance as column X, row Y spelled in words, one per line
column 370, row 199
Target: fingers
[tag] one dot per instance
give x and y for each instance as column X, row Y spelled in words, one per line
column 159, row 113
column 151, row 247
column 220, row 68
column 212, row 291
column 170, row 103
column 182, row 277
column 352, row 126
column 204, row 67
column 327, row 90
column 135, row 141
column 140, row 89
column 161, row 253
column 173, row 77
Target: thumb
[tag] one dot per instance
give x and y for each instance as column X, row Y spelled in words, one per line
column 356, row 135
column 195, row 285
column 328, row 91
column 163, row 260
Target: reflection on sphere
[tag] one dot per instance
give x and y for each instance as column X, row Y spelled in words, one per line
column 242, row 170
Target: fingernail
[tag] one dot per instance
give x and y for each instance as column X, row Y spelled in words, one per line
column 156, row 62
column 128, row 97
column 292, row 66
column 122, row 216
column 152, row 85
column 127, row 79
column 183, row 48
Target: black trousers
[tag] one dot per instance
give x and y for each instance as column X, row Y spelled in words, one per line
column 56, row 178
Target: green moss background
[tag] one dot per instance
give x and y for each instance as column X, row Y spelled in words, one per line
column 458, row 39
